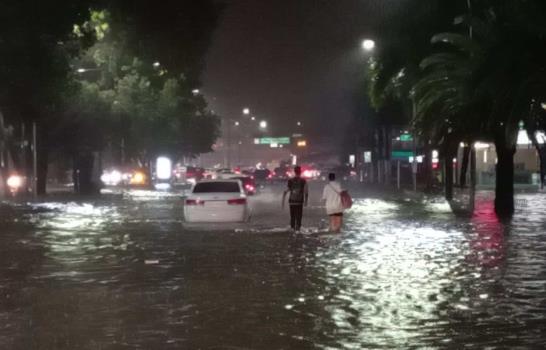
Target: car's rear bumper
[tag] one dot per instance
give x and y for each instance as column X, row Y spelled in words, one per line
column 227, row 214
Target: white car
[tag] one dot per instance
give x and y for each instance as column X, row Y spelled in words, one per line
column 216, row 201
column 226, row 174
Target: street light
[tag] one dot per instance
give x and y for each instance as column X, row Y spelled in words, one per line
column 236, row 123
column 263, row 124
column 299, row 123
column 84, row 70
column 368, row 45
column 195, row 91
column 246, row 111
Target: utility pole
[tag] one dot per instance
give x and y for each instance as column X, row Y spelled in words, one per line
column 34, row 162
column 24, row 154
column 229, row 144
column 123, row 151
column 398, row 174
column 414, row 165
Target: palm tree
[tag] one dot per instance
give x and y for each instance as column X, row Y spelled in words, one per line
column 446, row 107
column 394, row 69
column 483, row 86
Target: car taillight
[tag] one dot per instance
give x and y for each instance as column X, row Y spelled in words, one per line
column 194, row 202
column 238, row 201
column 307, row 174
column 249, row 188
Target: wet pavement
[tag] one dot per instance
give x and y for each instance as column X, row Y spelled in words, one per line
column 125, row 272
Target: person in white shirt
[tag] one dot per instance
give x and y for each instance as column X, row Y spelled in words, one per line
column 331, row 195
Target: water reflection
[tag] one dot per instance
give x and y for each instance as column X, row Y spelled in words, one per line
column 391, row 276
column 488, row 244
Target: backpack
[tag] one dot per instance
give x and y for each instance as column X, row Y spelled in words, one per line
column 346, row 200
column 297, row 190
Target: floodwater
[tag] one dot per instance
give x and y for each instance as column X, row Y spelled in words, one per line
column 125, row 272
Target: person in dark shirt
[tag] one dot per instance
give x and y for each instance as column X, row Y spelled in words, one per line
column 299, row 195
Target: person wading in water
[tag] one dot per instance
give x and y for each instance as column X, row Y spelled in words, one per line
column 299, row 195
column 331, row 195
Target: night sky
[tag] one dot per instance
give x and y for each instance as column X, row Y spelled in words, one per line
column 290, row 60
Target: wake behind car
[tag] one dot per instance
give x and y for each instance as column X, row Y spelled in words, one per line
column 217, row 201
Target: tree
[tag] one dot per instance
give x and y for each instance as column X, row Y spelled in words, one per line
column 35, row 53
column 493, row 79
column 403, row 40
column 176, row 34
column 143, row 108
column 446, row 108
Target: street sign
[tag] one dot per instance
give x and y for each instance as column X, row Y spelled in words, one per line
column 272, row 140
column 406, row 138
column 401, row 155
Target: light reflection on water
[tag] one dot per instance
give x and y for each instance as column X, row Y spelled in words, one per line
column 402, row 275
column 390, row 276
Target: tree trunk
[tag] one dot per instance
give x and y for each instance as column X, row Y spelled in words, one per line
column 472, row 199
column 542, row 157
column 541, row 150
column 83, row 174
column 376, row 156
column 504, row 189
column 448, row 164
column 428, row 167
column 449, row 154
column 388, row 146
column 42, row 161
column 380, row 164
column 41, row 184
column 464, row 165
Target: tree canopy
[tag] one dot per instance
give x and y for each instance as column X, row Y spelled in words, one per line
column 478, row 74
column 96, row 72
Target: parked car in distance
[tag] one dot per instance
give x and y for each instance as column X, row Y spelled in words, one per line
column 217, row 201
column 227, row 174
column 194, row 174
column 249, row 184
column 263, row 175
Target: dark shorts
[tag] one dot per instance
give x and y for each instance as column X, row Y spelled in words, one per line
column 336, row 214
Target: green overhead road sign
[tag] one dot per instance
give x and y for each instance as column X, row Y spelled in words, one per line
column 406, row 138
column 272, row 141
column 401, row 155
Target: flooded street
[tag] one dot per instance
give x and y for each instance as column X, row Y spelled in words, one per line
column 125, row 272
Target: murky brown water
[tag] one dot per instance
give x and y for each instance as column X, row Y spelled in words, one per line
column 128, row 274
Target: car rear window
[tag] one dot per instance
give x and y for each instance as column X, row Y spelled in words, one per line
column 212, row 187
